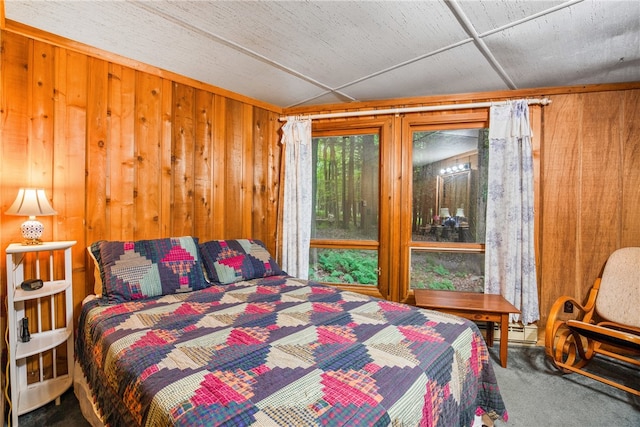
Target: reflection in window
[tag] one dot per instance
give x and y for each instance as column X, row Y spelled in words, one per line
column 353, row 266
column 449, row 185
column 454, row 271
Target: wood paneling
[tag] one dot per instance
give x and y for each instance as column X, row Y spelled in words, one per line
column 630, row 188
column 121, row 109
column 127, row 154
column 590, row 188
column 203, row 164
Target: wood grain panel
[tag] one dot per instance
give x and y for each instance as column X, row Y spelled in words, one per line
column 234, row 171
column 40, row 101
column 41, row 108
column 219, row 167
column 148, row 144
column 121, row 123
column 182, row 160
column 203, row 166
column 600, row 183
column 248, row 165
column 14, row 122
column 630, row 190
column 560, row 189
column 96, row 143
column 265, row 184
column 166, row 152
column 260, row 160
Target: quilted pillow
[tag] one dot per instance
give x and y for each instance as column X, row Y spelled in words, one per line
column 229, row 261
column 145, row 268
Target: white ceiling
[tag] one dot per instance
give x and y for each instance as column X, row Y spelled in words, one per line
column 290, row 53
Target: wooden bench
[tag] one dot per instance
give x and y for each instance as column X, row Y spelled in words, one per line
column 473, row 306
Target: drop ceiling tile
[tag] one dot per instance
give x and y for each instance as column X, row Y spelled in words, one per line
column 459, row 70
column 332, row 42
column 488, row 15
column 324, row 98
column 587, row 43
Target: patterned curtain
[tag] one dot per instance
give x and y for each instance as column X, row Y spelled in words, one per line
column 296, row 214
column 510, row 267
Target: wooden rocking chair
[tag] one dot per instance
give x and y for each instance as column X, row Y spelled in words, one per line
column 608, row 324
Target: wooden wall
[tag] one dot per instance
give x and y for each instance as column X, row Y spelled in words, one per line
column 590, row 187
column 129, row 154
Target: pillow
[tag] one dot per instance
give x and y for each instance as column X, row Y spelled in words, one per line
column 229, row 261
column 146, row 268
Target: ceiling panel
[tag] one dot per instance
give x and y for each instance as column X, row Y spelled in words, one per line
column 459, row 70
column 590, row 42
column 341, row 41
column 489, row 15
column 289, row 53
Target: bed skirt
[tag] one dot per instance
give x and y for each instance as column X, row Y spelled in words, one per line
column 85, row 398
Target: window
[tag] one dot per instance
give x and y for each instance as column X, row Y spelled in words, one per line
column 448, row 208
column 345, row 208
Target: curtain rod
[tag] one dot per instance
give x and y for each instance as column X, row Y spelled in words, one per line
column 534, row 101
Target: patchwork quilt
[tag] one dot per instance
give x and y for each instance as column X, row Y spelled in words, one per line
column 283, row 351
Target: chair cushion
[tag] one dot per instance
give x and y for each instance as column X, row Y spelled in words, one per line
column 619, row 295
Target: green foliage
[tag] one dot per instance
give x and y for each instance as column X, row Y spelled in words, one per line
column 440, row 270
column 443, row 285
column 434, row 276
column 337, row 266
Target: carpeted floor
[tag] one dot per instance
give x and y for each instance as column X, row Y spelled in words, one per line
column 534, row 392
column 537, row 394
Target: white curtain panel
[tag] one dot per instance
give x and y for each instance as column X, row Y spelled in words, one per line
column 296, row 214
column 510, row 268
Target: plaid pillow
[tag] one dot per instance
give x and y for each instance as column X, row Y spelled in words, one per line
column 229, row 261
column 145, row 268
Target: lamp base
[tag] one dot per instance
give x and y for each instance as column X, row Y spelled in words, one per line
column 31, row 242
column 32, row 232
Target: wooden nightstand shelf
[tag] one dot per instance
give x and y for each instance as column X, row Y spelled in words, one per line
column 34, row 365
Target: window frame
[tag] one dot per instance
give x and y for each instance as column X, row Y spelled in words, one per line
column 410, row 124
column 382, row 127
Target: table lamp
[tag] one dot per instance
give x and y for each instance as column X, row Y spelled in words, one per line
column 31, row 202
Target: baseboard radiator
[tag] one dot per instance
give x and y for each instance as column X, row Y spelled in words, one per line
column 518, row 333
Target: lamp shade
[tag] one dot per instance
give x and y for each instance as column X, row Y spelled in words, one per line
column 444, row 213
column 31, row 202
column 460, row 212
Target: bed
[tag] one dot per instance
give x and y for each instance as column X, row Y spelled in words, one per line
column 250, row 345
